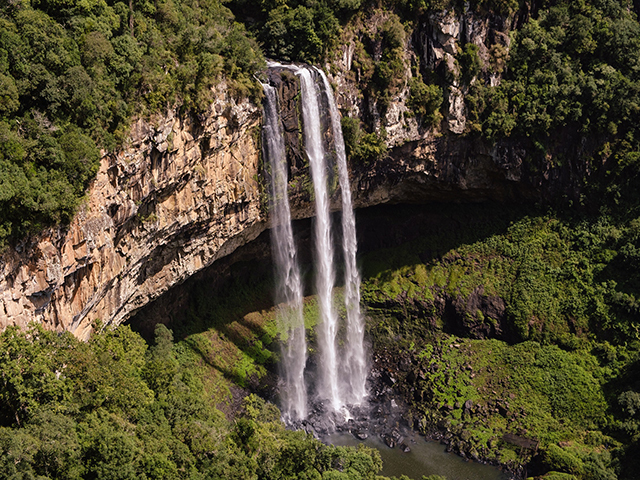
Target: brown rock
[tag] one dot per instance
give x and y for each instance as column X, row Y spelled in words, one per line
column 180, row 195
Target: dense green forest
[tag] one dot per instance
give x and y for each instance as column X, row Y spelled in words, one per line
column 112, row 408
column 571, row 88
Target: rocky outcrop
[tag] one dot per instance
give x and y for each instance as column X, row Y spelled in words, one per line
column 433, row 49
column 442, row 162
column 440, row 39
column 182, row 193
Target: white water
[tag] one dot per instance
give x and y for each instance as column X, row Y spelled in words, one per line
column 354, row 371
column 325, row 275
column 342, row 375
column 289, row 289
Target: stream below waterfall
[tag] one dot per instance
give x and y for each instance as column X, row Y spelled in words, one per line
column 425, row 458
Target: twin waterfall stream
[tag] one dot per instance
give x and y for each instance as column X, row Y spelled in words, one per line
column 342, row 371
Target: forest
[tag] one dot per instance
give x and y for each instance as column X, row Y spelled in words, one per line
column 540, row 327
column 112, row 408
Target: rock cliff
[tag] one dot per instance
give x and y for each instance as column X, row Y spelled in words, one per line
column 184, row 192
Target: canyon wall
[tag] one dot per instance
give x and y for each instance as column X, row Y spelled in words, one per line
column 186, row 191
column 182, row 193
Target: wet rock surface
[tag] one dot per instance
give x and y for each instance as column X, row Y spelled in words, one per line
column 383, row 416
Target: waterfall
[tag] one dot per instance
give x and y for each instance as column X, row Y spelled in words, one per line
column 354, row 363
column 342, row 374
column 325, row 276
column 288, row 282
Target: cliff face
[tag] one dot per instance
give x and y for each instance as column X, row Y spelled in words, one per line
column 181, row 194
column 445, row 161
column 185, row 192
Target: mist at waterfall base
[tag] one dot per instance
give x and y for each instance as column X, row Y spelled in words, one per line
column 340, row 373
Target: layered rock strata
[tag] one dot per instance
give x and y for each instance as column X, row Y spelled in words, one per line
column 182, row 193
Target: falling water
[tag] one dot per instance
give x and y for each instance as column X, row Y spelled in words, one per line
column 354, row 374
column 289, row 284
column 325, row 276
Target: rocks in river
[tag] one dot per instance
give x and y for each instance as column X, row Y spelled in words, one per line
column 361, row 435
column 396, row 438
column 395, row 434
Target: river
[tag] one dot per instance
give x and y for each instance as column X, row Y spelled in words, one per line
column 425, row 458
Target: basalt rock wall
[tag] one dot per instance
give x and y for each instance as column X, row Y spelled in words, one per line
column 184, row 191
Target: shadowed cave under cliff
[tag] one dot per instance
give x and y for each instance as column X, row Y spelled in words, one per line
column 244, row 279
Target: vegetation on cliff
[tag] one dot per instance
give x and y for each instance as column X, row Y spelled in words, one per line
column 571, row 92
column 521, row 323
column 72, row 74
column 516, row 323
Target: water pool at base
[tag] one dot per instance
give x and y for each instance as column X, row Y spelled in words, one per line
column 425, row 458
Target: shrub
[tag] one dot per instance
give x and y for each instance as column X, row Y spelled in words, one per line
column 564, row 461
column 425, row 100
column 469, row 61
column 361, row 147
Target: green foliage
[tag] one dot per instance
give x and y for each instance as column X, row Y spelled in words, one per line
column 563, row 461
column 630, row 401
column 425, row 100
column 572, row 77
column 565, row 380
column 296, row 30
column 31, row 365
column 72, row 75
column 388, row 72
column 107, row 373
column 417, row 7
column 113, row 409
column 361, row 147
column 558, row 476
column 469, row 61
column 501, row 7
column 568, row 374
column 299, row 33
column 556, row 277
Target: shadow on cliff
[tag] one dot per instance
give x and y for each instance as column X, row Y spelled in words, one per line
column 394, row 239
column 220, row 313
column 229, row 328
column 231, row 302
